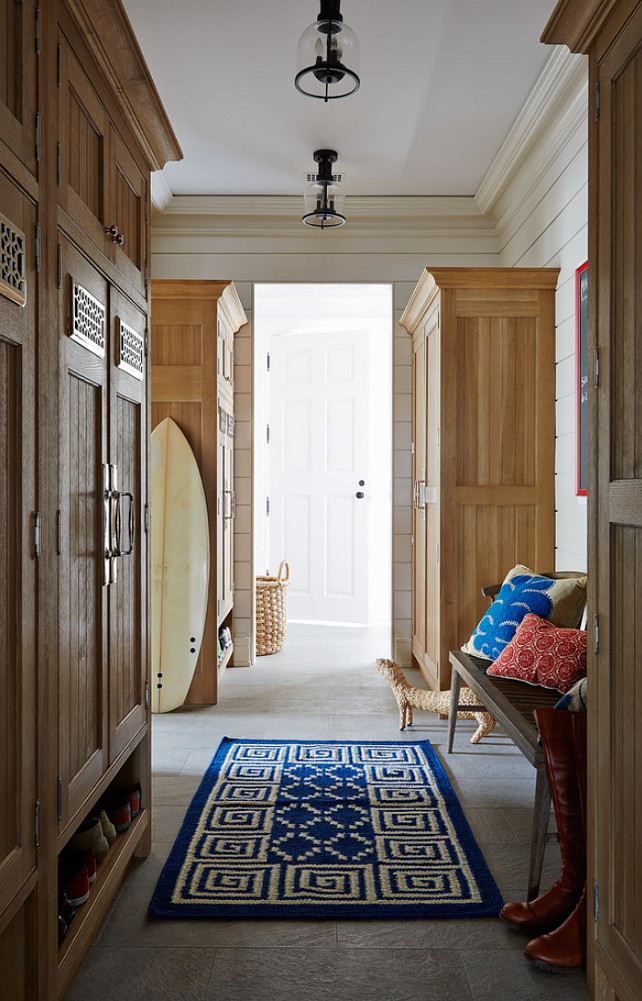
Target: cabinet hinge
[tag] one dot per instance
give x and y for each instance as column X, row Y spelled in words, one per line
column 36, row 18
column 146, row 274
column 596, row 624
column 146, row 208
column 58, row 167
column 412, row 448
column 36, row 535
column 146, row 519
column 596, row 901
column 147, row 694
column 437, row 552
column 267, row 505
column 59, row 267
column 597, row 101
column 36, row 825
column 37, row 136
column 59, row 533
column 597, row 367
column 268, row 361
column 58, row 65
column 267, row 434
column 37, row 248
column 146, row 341
column 59, row 798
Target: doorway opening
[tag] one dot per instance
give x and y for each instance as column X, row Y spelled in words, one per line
column 323, row 448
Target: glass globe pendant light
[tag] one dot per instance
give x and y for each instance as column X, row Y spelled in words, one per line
column 323, row 200
column 328, row 56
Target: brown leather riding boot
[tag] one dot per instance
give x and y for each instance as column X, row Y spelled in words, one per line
column 564, row 949
column 551, row 908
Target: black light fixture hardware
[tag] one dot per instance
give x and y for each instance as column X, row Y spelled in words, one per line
column 323, row 200
column 325, row 49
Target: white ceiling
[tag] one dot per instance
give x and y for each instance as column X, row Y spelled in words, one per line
column 442, row 81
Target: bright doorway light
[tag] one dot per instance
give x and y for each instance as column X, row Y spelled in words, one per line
column 323, row 447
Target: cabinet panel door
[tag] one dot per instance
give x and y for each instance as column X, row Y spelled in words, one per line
column 419, row 511
column 82, row 682
column 128, row 670
column 83, row 137
column 434, row 663
column 17, row 577
column 18, row 79
column 126, row 210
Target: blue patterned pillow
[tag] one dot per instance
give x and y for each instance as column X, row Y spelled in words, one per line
column 560, row 601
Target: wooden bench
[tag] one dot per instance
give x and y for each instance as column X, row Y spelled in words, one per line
column 512, row 703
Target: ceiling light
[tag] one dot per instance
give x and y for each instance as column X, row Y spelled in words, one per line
column 325, row 50
column 323, row 200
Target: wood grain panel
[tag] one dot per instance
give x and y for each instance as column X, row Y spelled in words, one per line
column 18, row 79
column 9, row 597
column 126, row 673
column 85, row 144
column 177, row 344
column 11, row 73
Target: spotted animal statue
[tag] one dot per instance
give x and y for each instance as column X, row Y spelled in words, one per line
column 409, row 698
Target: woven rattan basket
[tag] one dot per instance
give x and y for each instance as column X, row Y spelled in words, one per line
column 272, row 611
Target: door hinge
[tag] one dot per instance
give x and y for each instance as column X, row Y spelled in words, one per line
column 37, row 247
column 597, row 368
column 597, row 101
column 59, row 267
column 596, row 623
column 267, row 434
column 58, row 65
column 59, row 798
column 596, row 899
column 146, row 208
column 267, row 505
column 36, row 825
column 58, row 161
column 36, row 535
column 146, row 519
column 59, row 533
column 146, row 341
column 268, row 361
column 37, row 30
column 147, row 694
column 146, row 274
column 37, row 136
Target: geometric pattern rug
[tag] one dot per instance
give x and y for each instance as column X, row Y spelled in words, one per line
column 325, row 829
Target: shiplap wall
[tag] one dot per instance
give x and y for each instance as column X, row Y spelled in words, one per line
column 530, row 211
column 537, row 193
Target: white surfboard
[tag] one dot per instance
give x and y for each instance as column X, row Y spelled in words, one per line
column 180, row 565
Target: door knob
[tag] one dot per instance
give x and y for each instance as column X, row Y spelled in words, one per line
column 360, row 494
column 362, row 483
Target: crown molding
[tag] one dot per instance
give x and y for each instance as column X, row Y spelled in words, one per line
column 161, row 192
column 560, row 94
column 280, row 215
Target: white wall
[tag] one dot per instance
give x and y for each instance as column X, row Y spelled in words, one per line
column 536, row 190
column 530, row 211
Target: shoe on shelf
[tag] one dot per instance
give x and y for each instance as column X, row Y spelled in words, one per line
column 118, row 808
column 90, row 836
column 65, row 910
column 78, row 859
column 62, row 930
column 73, row 880
column 133, row 794
column 107, row 827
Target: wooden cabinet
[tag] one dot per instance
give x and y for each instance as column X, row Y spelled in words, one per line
column 611, row 34
column 81, row 127
column 483, row 444
column 192, row 345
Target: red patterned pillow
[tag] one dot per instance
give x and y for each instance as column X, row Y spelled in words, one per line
column 543, row 654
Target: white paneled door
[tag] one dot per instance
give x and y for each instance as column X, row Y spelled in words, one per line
column 318, row 475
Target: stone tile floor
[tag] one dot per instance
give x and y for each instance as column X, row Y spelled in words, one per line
column 324, row 684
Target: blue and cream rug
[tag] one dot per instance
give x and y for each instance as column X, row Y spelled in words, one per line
column 325, row 829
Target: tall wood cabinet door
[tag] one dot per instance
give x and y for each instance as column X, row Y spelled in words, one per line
column 83, row 136
column 418, row 508
column 228, row 523
column 433, row 504
column 18, row 79
column 616, row 699
column 128, row 635
column 127, row 211
column 82, row 677
column 17, row 562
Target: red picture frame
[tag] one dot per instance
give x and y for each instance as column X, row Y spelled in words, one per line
column 581, row 377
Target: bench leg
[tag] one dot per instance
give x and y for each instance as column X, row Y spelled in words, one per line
column 541, row 812
column 455, row 685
